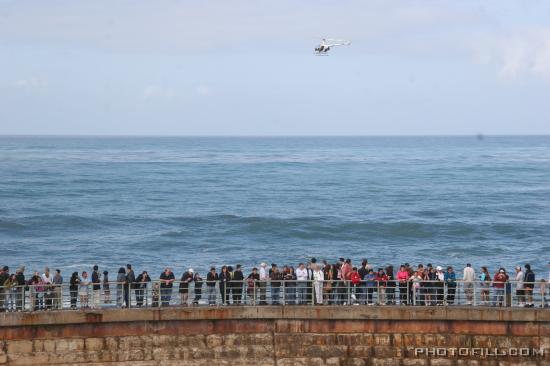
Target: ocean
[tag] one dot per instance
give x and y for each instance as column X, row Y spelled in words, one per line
column 72, row 202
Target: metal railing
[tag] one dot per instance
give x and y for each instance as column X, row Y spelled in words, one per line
column 280, row 292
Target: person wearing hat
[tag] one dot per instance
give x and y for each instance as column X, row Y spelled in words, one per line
column 186, row 279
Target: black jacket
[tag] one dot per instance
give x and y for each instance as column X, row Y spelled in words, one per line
column 211, row 279
column 95, row 280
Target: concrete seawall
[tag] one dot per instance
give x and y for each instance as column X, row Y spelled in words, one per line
column 290, row 335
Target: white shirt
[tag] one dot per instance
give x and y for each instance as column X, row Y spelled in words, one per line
column 318, row 275
column 301, row 274
column 263, row 274
column 519, row 279
column 469, row 274
column 47, row 279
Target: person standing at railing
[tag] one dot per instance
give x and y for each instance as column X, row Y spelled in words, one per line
column 237, row 285
column 450, row 282
column 167, row 280
column 49, row 288
column 57, row 290
column 529, row 285
column 318, row 278
column 276, row 277
column 361, row 289
column 390, row 286
column 20, row 276
column 4, row 275
column 468, row 278
column 347, row 268
column 141, row 287
column 186, row 279
column 485, row 279
column 121, row 280
column 130, row 285
column 499, row 283
column 416, row 283
column 83, row 290
column 96, row 287
column 262, row 284
column 301, row 285
column 106, row 288
column 36, row 292
column 224, row 279
column 74, row 283
column 251, row 284
column 211, row 280
column 431, row 290
column 402, row 279
column 290, row 285
column 381, row 281
column 439, row 286
column 197, row 288
column 370, row 281
column 520, row 293
column 229, row 287
column 11, row 289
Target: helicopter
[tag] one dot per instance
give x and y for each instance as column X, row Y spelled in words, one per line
column 327, row 43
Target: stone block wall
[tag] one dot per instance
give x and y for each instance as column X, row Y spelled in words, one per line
column 271, row 336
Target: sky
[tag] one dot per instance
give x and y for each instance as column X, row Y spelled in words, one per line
column 170, row 67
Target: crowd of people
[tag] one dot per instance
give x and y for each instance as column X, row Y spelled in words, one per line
column 315, row 283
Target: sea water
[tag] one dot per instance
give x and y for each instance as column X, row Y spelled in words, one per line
column 72, row 202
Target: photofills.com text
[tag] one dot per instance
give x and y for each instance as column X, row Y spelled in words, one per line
column 478, row 352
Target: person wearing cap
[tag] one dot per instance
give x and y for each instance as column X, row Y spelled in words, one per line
column 529, row 285
column 4, row 275
column 499, row 282
column 96, row 287
column 142, row 281
column 211, row 281
column 58, row 290
column 519, row 286
column 186, row 279
column 262, row 284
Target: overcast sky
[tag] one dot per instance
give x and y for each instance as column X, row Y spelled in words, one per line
column 169, row 67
